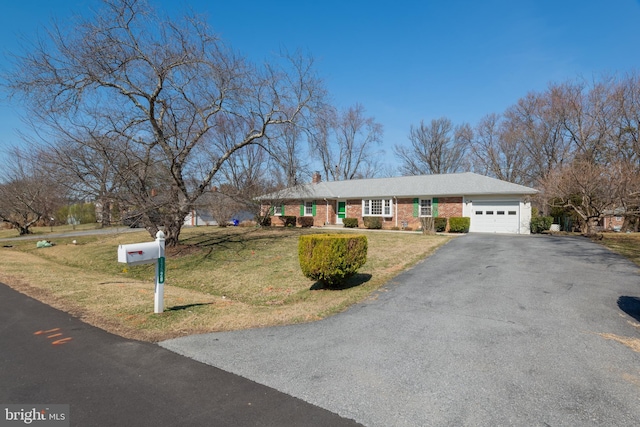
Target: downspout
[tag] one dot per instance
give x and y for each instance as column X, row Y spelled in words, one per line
column 327, row 211
column 395, row 198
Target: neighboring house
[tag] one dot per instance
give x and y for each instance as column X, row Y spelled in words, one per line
column 213, row 207
column 613, row 220
column 199, row 216
column 494, row 206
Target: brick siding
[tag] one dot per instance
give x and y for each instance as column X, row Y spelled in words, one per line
column 447, row 207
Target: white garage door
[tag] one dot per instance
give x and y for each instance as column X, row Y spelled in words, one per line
column 495, row 217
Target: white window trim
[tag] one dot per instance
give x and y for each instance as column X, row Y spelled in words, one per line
column 387, row 207
column 276, row 209
column 308, row 205
column 420, row 208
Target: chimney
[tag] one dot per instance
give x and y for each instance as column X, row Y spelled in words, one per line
column 316, row 178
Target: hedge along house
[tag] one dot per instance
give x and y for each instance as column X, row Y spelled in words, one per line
column 494, row 206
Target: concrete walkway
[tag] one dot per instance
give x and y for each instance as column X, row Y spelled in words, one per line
column 490, row 331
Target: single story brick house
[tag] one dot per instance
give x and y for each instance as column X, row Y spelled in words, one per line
column 494, row 206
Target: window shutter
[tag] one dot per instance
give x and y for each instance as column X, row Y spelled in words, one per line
column 272, row 211
column 302, row 208
column 313, row 209
column 416, row 207
column 282, row 210
column 434, row 207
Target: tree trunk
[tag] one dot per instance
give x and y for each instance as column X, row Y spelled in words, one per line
column 428, row 225
column 171, row 230
column 106, row 213
column 590, row 226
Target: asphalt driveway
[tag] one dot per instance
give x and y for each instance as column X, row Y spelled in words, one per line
column 490, row 331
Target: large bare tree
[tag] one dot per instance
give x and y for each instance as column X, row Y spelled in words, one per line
column 346, row 143
column 27, row 195
column 167, row 90
column 436, row 147
column 590, row 190
column 87, row 165
column 497, row 151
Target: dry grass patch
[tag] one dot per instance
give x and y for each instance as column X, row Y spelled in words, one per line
column 627, row 245
column 218, row 279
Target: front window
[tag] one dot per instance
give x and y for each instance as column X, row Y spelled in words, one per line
column 308, row 208
column 377, row 207
column 425, row 207
column 277, row 210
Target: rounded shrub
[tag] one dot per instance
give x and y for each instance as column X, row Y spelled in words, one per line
column 331, row 258
column 372, row 222
column 305, row 221
column 350, row 222
column 459, row 224
column 540, row 224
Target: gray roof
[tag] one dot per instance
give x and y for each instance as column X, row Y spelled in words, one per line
column 455, row 184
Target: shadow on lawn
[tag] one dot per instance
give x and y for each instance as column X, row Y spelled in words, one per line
column 184, row 307
column 631, row 306
column 355, row 280
column 238, row 239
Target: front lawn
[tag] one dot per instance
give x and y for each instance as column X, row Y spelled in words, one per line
column 218, row 279
column 627, row 245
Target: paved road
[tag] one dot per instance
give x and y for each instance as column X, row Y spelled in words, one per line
column 490, row 331
column 49, row 357
column 78, row 233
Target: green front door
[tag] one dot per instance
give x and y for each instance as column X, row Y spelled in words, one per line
column 342, row 211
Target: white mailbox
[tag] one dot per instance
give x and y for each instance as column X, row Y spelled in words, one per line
column 148, row 253
column 139, row 253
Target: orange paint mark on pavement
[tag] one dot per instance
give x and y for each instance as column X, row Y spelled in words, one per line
column 52, row 335
column 46, row 332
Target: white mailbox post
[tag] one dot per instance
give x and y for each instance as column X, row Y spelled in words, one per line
column 147, row 253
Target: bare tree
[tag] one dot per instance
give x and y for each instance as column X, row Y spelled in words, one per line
column 626, row 102
column 87, row 165
column 437, row 147
column 587, row 118
column 288, row 156
column 536, row 124
column 27, row 196
column 497, row 151
column 166, row 89
column 590, row 190
column 345, row 143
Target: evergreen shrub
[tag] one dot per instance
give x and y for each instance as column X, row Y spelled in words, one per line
column 372, row 222
column 440, row 224
column 459, row 224
column 331, row 258
column 350, row 222
column 540, row 224
column 288, row 220
column 305, row 221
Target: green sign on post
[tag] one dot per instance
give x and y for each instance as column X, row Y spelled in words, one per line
column 161, row 270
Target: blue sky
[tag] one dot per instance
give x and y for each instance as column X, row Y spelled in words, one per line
column 405, row 61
